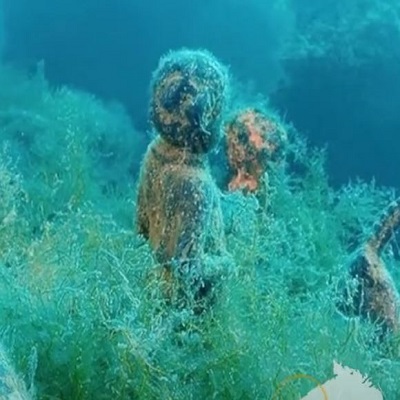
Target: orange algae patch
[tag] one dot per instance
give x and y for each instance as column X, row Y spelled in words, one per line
column 253, row 139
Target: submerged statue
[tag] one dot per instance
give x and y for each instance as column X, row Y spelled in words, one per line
column 369, row 292
column 178, row 204
column 254, row 140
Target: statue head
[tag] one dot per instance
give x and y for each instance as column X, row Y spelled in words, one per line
column 188, row 95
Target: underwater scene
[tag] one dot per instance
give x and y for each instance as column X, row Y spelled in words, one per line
column 199, row 199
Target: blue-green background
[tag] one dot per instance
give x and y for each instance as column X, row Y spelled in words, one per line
column 110, row 47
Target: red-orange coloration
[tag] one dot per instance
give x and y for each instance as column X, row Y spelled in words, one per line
column 253, row 139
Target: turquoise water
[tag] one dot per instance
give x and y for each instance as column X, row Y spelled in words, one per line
column 81, row 319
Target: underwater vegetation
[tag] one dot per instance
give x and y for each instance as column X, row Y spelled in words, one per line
column 354, row 32
column 80, row 317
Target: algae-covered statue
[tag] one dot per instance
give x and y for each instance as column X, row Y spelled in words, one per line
column 254, row 139
column 178, row 205
column 369, row 291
